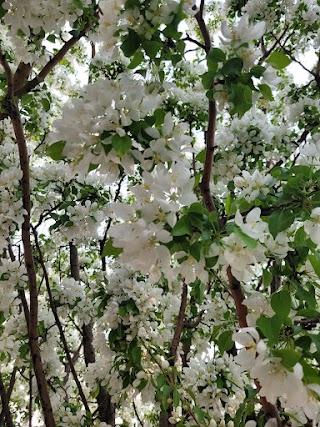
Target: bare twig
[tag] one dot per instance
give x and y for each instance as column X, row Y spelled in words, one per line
column 137, row 414
column 191, row 40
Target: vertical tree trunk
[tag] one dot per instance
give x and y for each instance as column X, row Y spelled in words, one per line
column 106, row 408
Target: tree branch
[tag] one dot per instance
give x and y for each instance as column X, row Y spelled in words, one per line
column 179, row 328
column 193, row 324
column 27, row 87
column 5, row 403
column 59, row 325
column 203, row 28
column 207, row 169
column 12, row 110
column 106, row 408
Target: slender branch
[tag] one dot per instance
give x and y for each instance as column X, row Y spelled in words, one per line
column 203, row 28
column 266, row 53
column 317, row 73
column 75, row 357
column 5, row 403
column 178, row 331
column 191, row 40
column 30, row 398
column 238, row 297
column 136, row 413
column 21, row 292
column 53, row 62
column 193, row 324
column 32, row 316
column 234, row 284
column 9, row 392
column 207, row 169
column 105, row 408
column 59, row 325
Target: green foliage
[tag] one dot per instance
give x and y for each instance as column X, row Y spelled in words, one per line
column 55, row 150
column 278, row 60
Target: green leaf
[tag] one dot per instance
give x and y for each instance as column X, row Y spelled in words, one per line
column 267, row 278
column 315, row 262
column 225, row 341
column 161, row 380
column 166, row 391
column 310, row 374
column 110, row 250
column 241, row 97
column 257, row 71
column 24, row 350
column 300, row 237
column 142, row 384
column 78, row 4
column 55, row 150
column 232, row 67
column 199, row 413
column 121, row 144
column 250, row 242
column 135, row 354
column 151, row 47
column 195, row 250
column 280, row 220
column 182, row 227
column 266, row 92
column 136, row 60
column 2, row 10
column 51, row 38
column 308, row 312
column 176, row 398
column 201, row 156
column 281, row 302
column 46, row 104
column 278, row 60
column 289, row 358
column 270, row 327
column 207, row 79
column 131, row 43
column 216, row 55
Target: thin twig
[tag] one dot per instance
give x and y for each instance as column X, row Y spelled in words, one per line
column 191, row 40
column 59, row 325
column 136, row 413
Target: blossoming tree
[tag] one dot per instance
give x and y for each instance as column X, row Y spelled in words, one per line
column 160, row 221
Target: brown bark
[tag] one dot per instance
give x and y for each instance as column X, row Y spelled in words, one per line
column 11, row 107
column 5, row 403
column 106, row 409
column 234, row 285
